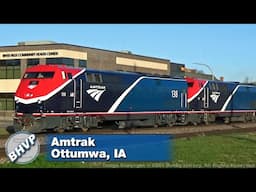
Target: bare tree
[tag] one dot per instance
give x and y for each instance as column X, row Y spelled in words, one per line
column 246, row 79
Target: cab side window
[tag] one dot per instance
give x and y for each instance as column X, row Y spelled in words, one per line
column 94, row 78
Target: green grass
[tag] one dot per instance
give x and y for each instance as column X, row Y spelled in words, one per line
column 232, row 150
column 238, row 150
column 3, row 131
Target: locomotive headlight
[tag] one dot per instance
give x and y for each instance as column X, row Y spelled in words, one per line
column 29, row 95
column 39, row 101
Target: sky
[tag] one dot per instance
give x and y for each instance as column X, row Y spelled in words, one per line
column 228, row 49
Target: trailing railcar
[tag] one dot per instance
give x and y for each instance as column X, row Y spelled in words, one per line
column 227, row 101
column 208, row 95
column 58, row 97
column 241, row 104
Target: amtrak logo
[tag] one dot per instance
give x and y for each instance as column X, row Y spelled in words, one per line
column 96, row 91
column 32, row 86
column 215, row 96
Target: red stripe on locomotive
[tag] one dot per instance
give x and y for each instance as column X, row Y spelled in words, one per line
column 194, row 86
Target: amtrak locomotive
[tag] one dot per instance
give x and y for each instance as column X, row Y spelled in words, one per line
column 59, row 98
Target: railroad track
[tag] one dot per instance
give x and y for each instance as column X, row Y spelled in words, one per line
column 176, row 132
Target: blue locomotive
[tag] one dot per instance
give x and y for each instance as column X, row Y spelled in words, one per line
column 54, row 97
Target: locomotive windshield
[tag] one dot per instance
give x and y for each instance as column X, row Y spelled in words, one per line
column 38, row 75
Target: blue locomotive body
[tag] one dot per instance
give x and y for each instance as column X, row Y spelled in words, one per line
column 152, row 94
column 87, row 98
column 242, row 98
column 106, row 91
column 60, row 98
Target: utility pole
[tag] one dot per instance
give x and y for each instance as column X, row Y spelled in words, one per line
column 203, row 64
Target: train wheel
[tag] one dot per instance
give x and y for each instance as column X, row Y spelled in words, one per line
column 84, row 129
column 226, row 120
column 194, row 123
column 120, row 125
column 170, row 124
column 253, row 117
column 59, row 130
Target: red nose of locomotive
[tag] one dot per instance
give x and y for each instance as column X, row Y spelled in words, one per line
column 41, row 81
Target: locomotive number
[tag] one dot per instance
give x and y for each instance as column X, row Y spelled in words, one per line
column 175, row 93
